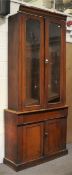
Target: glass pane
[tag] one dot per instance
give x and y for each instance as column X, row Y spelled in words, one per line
column 32, row 62
column 54, row 63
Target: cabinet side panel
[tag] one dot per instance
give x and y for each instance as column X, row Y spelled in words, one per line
column 10, row 137
column 20, row 143
column 13, row 40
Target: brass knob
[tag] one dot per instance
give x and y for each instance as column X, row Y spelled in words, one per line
column 46, row 133
column 46, row 61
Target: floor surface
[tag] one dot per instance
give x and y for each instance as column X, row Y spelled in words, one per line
column 59, row 166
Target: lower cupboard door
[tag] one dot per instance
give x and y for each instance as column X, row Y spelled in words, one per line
column 54, row 136
column 30, row 142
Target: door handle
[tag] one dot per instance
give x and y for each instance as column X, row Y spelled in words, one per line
column 46, row 134
column 46, row 61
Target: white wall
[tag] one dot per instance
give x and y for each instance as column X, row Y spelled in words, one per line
column 3, row 79
column 3, row 73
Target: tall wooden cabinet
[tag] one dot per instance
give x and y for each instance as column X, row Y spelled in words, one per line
column 36, row 118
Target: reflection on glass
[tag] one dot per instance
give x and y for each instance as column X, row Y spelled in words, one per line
column 54, row 63
column 32, row 62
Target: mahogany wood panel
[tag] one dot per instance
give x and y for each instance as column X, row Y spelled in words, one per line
column 55, row 136
column 33, row 135
column 30, row 142
column 10, row 137
column 13, row 63
column 42, row 115
column 20, row 144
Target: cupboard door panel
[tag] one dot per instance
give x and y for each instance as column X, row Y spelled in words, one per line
column 30, row 145
column 55, row 136
column 34, row 141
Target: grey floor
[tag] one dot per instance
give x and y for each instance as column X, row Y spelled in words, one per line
column 59, row 166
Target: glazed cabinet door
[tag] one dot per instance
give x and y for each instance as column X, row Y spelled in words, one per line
column 30, row 142
column 32, row 61
column 54, row 136
column 54, row 62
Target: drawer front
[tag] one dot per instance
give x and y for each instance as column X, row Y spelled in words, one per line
column 39, row 116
